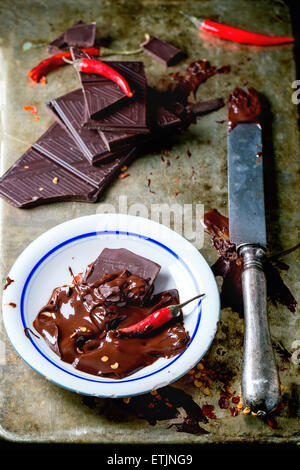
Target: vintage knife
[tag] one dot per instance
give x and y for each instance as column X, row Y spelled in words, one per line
column 247, row 229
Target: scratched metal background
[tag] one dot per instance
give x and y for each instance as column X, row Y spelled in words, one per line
column 32, row 409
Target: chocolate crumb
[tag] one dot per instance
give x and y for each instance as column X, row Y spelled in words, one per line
column 12, row 304
column 148, row 184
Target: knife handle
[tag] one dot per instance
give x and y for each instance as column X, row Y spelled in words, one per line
column 260, row 382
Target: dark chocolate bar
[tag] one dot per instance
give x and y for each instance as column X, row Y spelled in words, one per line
column 162, row 51
column 67, row 111
column 35, row 180
column 101, row 95
column 114, row 260
column 161, row 118
column 80, row 33
column 55, row 170
column 132, row 116
column 60, row 147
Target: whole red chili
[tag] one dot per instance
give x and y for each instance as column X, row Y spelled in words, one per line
column 40, row 71
column 239, row 35
column 155, row 320
column 98, row 67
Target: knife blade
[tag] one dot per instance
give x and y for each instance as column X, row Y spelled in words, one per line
column 247, row 229
column 246, row 186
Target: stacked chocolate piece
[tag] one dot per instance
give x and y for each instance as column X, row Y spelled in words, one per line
column 98, row 131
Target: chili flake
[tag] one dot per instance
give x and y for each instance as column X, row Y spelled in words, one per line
column 207, row 410
column 246, row 410
column 234, row 411
column 223, row 403
column 235, row 399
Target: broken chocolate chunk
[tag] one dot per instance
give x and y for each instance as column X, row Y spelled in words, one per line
column 162, row 51
column 80, row 34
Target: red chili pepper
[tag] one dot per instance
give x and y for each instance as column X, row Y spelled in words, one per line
column 40, row 71
column 155, row 320
column 98, row 67
column 239, row 35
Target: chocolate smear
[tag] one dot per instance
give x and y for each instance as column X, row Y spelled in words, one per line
column 243, row 106
column 8, row 282
column 164, row 404
column 195, row 75
column 229, row 266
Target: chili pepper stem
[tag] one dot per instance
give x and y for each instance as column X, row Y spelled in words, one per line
column 175, row 309
column 68, row 61
column 196, row 21
column 107, row 52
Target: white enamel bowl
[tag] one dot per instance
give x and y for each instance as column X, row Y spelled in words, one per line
column 44, row 265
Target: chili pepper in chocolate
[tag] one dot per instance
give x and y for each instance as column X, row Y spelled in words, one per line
column 155, row 320
column 239, row 35
column 40, row 71
column 100, row 68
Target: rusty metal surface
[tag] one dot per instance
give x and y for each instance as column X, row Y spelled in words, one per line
column 32, row 409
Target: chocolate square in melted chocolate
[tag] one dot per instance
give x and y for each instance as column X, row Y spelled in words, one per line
column 114, row 260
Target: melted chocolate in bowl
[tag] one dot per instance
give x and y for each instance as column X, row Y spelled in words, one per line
column 78, row 324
